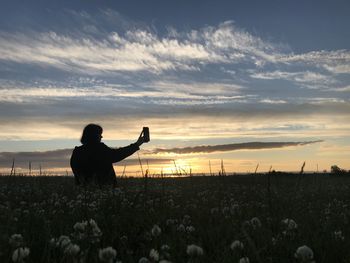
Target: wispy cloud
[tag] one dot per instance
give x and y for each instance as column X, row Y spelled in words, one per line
column 136, row 50
column 313, row 79
column 56, row 159
column 337, row 61
column 232, row 147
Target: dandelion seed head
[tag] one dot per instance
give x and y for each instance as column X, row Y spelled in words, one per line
column 304, row 254
column 236, row 245
column 143, row 260
column 72, row 249
column 154, row 255
column 255, row 222
column 20, row 254
column 194, row 250
column 244, row 260
column 107, row 254
column 16, row 240
column 63, row 241
column 290, row 224
column 156, row 231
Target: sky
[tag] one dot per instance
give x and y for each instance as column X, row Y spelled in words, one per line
column 244, row 83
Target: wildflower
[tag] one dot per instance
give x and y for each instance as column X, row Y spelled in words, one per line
column 124, row 239
column 225, row 210
column 290, row 224
column 154, row 255
column 63, row 241
column 234, row 208
column 255, row 222
column 273, row 241
column 194, row 250
column 53, row 242
column 165, row 247
column 244, row 260
column 156, row 231
column 20, row 254
column 107, row 254
column 72, row 249
column 304, row 254
column 80, row 226
column 181, row 228
column 143, row 260
column 190, row 229
column 16, row 240
column 96, row 232
column 338, row 235
column 236, row 245
column 170, row 222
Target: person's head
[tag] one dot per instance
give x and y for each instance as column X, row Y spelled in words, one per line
column 92, row 133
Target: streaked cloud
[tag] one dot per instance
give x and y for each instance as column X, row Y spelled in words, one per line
column 58, row 159
column 336, row 61
column 232, row 147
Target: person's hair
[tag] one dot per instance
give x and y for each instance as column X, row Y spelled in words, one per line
column 91, row 133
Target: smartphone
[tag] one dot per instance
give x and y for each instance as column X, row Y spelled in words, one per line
column 146, row 134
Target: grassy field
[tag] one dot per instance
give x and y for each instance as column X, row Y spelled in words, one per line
column 257, row 218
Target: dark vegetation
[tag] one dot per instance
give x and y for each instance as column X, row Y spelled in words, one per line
column 210, row 212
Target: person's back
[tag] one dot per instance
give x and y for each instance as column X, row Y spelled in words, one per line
column 93, row 161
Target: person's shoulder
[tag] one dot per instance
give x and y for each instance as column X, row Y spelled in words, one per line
column 78, row 149
column 103, row 146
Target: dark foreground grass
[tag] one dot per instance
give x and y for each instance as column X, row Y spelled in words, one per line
column 210, row 212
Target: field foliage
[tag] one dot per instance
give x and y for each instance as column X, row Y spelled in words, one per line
column 256, row 218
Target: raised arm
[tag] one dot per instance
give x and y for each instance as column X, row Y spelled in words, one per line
column 123, row 152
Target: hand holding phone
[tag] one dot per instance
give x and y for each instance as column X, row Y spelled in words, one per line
column 145, row 132
column 144, row 136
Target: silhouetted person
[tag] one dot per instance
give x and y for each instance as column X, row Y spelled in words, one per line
column 92, row 162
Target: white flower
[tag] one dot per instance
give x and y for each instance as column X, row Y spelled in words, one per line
column 143, row 260
column 156, row 231
column 255, row 222
column 16, row 240
column 181, row 228
column 304, row 253
column 194, row 250
column 190, row 229
column 96, row 232
column 63, row 241
column 237, row 245
column 290, row 224
column 72, row 249
column 170, row 221
column 244, row 260
column 154, row 255
column 20, row 254
column 338, row 235
column 165, row 247
column 107, row 254
column 80, row 226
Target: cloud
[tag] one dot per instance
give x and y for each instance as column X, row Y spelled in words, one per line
column 58, row 159
column 158, row 91
column 232, row 147
column 307, row 77
column 337, row 61
column 135, row 49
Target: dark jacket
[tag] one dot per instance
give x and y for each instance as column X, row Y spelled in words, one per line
column 93, row 163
